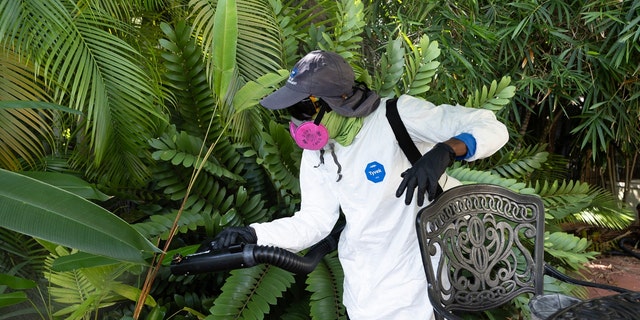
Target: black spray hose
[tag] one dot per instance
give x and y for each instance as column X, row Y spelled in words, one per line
column 249, row 255
column 292, row 262
column 553, row 272
column 628, row 251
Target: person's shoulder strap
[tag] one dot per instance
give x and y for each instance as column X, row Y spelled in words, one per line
column 400, row 131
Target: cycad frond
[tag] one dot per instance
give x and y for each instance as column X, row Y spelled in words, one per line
column 345, row 35
column 563, row 198
column 467, row 175
column 421, row 66
column 281, row 159
column 182, row 149
column 325, row 285
column 159, row 225
column 521, row 163
column 568, row 248
column 391, row 69
column 493, row 98
column 249, row 293
column 185, row 75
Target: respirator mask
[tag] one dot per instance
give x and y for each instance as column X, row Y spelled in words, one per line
column 307, row 132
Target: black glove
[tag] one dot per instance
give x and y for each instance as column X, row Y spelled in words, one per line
column 234, row 236
column 425, row 173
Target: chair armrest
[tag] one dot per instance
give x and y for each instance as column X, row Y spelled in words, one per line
column 555, row 273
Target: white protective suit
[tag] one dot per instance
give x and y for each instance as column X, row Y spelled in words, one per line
column 378, row 248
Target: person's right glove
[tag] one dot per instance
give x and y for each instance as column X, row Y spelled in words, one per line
column 425, row 173
column 233, row 236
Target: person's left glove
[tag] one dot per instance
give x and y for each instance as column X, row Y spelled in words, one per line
column 425, row 173
column 233, row 236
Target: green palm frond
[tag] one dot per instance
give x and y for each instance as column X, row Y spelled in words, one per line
column 258, row 39
column 261, row 39
column 325, row 285
column 21, row 252
column 90, row 69
column 22, row 130
column 605, row 211
column 249, row 293
column 22, row 133
column 83, row 292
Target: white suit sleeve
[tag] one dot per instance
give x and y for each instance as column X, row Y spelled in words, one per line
column 319, row 211
column 431, row 124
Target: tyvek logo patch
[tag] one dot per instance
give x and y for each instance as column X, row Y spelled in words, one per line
column 292, row 75
column 374, row 172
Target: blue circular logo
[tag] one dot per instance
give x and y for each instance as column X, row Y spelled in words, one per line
column 374, row 172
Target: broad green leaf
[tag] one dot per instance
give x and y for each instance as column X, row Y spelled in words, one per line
column 225, row 40
column 8, row 299
column 132, row 293
column 17, row 283
column 80, row 260
column 68, row 182
column 47, row 212
column 249, row 95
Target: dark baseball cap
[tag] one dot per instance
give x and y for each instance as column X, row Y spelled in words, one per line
column 322, row 74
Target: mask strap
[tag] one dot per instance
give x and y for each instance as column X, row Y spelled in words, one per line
column 321, row 113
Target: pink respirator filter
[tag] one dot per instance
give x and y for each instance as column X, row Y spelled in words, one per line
column 309, row 135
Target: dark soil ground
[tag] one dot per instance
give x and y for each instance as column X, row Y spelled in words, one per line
column 619, row 265
column 617, row 270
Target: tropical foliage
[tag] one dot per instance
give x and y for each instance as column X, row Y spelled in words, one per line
column 129, row 130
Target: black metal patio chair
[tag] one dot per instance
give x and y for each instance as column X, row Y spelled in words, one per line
column 482, row 245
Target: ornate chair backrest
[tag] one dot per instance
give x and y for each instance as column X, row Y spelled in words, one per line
column 476, row 243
